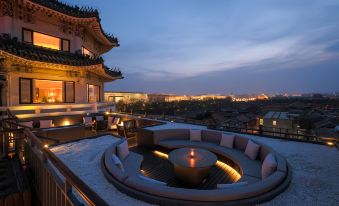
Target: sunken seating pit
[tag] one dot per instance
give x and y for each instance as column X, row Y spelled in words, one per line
column 256, row 189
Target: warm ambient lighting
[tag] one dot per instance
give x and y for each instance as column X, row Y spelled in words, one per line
column 161, row 154
column 46, row 146
column 66, row 123
column 331, row 144
column 192, row 154
column 232, row 172
column 192, row 162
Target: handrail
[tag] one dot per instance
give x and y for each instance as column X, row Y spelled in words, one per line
column 40, row 110
column 86, row 193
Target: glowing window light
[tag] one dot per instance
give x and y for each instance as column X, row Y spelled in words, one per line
column 274, row 122
column 46, row 41
column 261, row 121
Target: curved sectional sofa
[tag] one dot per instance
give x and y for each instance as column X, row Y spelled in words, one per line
column 256, row 190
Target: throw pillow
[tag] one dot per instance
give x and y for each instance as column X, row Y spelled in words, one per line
column 118, row 162
column 122, row 150
column 227, row 140
column 252, row 150
column 269, row 166
column 195, row 135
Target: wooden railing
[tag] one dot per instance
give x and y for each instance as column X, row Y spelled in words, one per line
column 54, row 183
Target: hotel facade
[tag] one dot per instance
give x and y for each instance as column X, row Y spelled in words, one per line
column 50, row 53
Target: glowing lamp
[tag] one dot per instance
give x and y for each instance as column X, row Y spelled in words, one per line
column 330, row 144
column 66, row 123
column 46, row 146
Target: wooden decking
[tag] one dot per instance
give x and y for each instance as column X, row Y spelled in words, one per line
column 159, row 168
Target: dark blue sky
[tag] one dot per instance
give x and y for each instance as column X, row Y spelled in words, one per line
column 223, row 46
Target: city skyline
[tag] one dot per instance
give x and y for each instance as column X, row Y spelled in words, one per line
column 225, row 47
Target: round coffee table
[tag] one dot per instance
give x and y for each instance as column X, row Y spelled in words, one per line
column 192, row 165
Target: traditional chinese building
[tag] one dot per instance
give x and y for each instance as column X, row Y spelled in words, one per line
column 50, row 53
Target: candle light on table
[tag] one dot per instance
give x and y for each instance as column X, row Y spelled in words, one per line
column 192, row 154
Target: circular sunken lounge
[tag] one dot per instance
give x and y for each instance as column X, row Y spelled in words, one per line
column 261, row 173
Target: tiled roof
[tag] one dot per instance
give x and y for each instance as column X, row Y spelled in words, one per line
column 84, row 12
column 35, row 53
column 113, row 71
column 75, row 11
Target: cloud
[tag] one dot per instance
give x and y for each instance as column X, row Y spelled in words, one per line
column 165, row 42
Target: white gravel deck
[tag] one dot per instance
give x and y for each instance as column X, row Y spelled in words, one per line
column 315, row 171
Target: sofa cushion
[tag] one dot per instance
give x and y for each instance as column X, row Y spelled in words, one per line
column 110, row 120
column 132, row 164
column 211, row 136
column 249, row 179
column 240, row 142
column 46, row 123
column 227, row 140
column 269, row 166
column 151, row 180
column 179, row 134
column 232, row 185
column 112, row 168
column 264, row 151
column 252, row 150
column 213, row 195
column 122, row 150
column 118, row 162
column 195, row 135
column 116, row 120
column 173, row 144
column 282, row 163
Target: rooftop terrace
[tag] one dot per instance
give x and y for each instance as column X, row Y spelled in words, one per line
column 314, row 182
column 314, row 167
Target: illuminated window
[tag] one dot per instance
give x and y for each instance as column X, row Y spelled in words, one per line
column 46, row 41
column 93, row 93
column 87, row 52
column 261, row 121
column 274, row 123
column 25, row 91
column 47, row 91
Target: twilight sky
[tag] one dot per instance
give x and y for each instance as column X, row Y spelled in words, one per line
column 222, row 46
